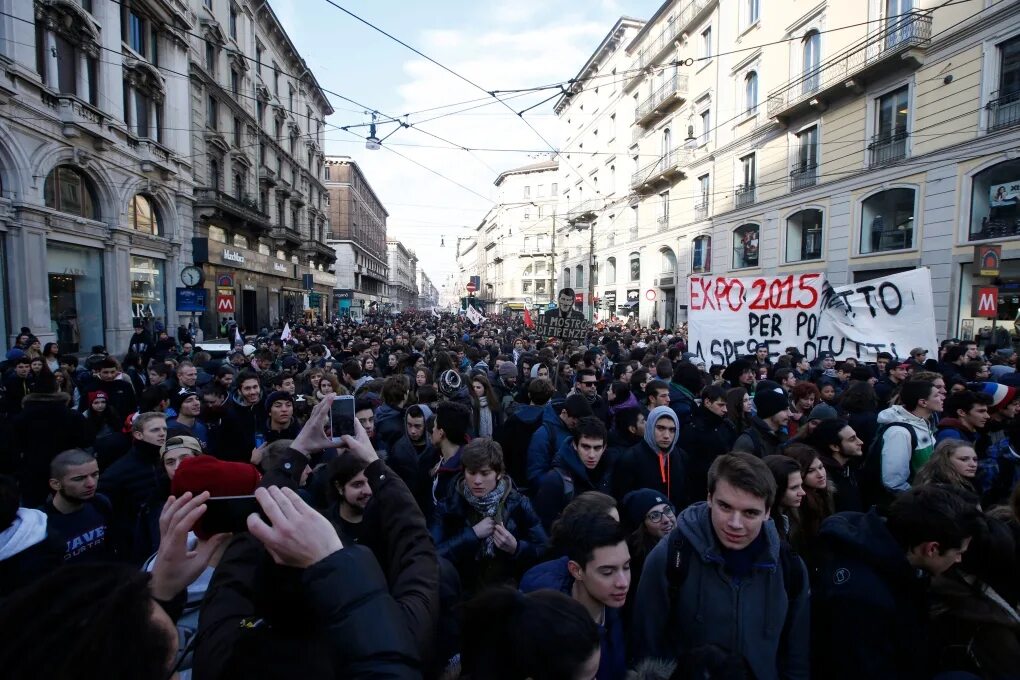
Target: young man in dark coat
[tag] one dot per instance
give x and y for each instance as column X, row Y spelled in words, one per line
column 120, row 394
column 243, row 418
column 404, row 454
column 705, row 438
column 870, row 598
column 17, row 385
column 656, row 462
column 582, row 464
column 840, row 449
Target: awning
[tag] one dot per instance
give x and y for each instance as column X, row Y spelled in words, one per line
column 515, row 306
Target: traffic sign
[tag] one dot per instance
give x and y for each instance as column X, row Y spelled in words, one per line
column 471, row 287
column 225, row 304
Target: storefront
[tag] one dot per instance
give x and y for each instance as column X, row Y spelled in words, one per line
column 633, row 305
column 609, row 302
column 253, row 289
column 75, row 276
column 984, row 329
column 148, row 293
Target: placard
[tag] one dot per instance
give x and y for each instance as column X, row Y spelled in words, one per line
column 731, row 317
column 569, row 328
column 192, row 299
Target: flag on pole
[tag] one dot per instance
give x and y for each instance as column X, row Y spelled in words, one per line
column 285, row 335
column 527, row 319
column 435, row 313
column 474, row 316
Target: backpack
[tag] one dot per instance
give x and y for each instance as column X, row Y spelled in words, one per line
column 873, row 490
column 679, row 554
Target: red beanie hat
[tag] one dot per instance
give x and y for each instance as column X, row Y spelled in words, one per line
column 219, row 477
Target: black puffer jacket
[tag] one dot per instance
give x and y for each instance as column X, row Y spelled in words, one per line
column 136, row 485
column 703, row 440
column 235, row 438
column 45, row 427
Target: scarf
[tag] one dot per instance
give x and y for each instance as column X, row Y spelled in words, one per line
column 489, row 505
column 484, row 417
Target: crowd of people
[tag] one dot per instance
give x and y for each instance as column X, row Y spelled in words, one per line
column 508, row 506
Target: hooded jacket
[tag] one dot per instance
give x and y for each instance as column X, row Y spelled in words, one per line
column 545, row 442
column 27, row 551
column 551, row 496
column 953, row 428
column 753, row 616
column 389, row 425
column 644, row 466
column 870, row 605
column 899, row 462
column 553, row 575
column 234, row 439
column 760, row 439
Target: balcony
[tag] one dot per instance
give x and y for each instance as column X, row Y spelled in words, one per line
column 743, row 196
column 803, row 175
column 79, row 118
column 701, row 209
column 286, row 235
column 898, row 44
column 655, row 48
column 154, row 157
column 670, row 93
column 666, row 168
column 219, row 204
column 267, row 176
column 887, row 147
column 316, row 249
column 1003, row 111
column 662, row 223
column 584, row 211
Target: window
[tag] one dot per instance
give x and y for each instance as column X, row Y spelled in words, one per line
column 210, row 58
column 539, row 212
column 135, row 32
column 237, row 132
column 217, row 234
column 745, row 246
column 238, row 185
column 258, row 58
column 69, row 191
column 212, row 113
column 61, row 70
column 663, row 220
column 240, row 241
column 554, row 189
column 260, row 112
column 811, row 47
column 235, row 82
column 892, row 119
column 281, row 214
column 887, row 221
column 610, row 270
column 1005, row 105
column 898, row 26
column 290, row 99
column 805, row 167
column 706, row 43
column 276, row 79
column 634, row 224
column 744, row 194
column 527, row 213
column 751, row 93
column 668, row 261
column 804, row 235
column 143, row 215
column 701, row 254
column 579, row 276
column 994, row 203
column 635, row 266
column 706, row 126
column 527, row 192
column 701, row 204
column 752, row 12
column 233, row 21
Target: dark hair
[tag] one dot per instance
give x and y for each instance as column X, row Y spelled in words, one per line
column 105, row 362
column 688, row 376
column 414, row 411
column 566, row 291
column 84, row 612
column 654, row 386
column 859, row 397
column 713, row 393
column 954, row 353
column 540, row 391
column 278, row 379
column 352, row 367
column 551, row 635
column 781, row 468
column 362, row 404
column 246, row 374
column 964, row 400
column 482, row 453
column 454, row 419
column 664, row 368
column 599, row 531
column 66, row 459
column 591, row 427
column 745, row 472
column 151, row 398
column 932, row 512
column 826, row 434
column 395, row 389
column 621, row 392
column 341, row 470
column 913, row 391
column 585, row 373
column 577, row 512
column 626, row 418
column 735, row 407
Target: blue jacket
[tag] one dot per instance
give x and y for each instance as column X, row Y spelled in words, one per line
column 389, row 425
column 553, row 575
column 551, row 496
column 546, row 441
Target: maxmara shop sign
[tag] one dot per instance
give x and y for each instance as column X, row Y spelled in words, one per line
column 240, row 258
column 279, row 267
column 232, row 256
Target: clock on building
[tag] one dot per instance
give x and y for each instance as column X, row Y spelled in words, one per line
column 192, row 276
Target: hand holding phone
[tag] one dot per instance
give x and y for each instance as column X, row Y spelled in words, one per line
column 341, row 416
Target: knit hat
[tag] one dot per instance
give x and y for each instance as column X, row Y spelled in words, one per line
column 95, row 394
column 248, row 350
column 178, row 398
column 577, row 406
column 769, row 402
column 1005, row 352
column 278, row 395
column 181, row 442
column 1001, row 395
column 507, row 369
column 14, row 353
column 219, row 477
column 637, row 503
column 822, row 412
column 736, row 369
column 449, row 382
column 861, row 373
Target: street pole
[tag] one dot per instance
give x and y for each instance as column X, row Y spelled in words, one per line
column 552, row 265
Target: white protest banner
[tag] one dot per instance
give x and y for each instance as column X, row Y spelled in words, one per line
column 729, row 317
column 890, row 314
column 474, row 316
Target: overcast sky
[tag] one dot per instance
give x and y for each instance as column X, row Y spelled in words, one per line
column 498, row 45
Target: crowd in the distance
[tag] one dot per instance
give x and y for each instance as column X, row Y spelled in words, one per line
column 508, row 507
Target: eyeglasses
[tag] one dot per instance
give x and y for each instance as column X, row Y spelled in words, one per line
column 588, row 383
column 655, row 516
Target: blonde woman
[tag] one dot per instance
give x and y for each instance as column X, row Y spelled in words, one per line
column 954, row 462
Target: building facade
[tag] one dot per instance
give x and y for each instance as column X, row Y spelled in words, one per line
column 357, row 234
column 514, row 256
column 95, row 169
column 403, row 281
column 856, row 139
column 257, row 119
column 428, row 294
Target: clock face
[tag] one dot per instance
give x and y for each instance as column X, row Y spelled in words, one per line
column 191, row 276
